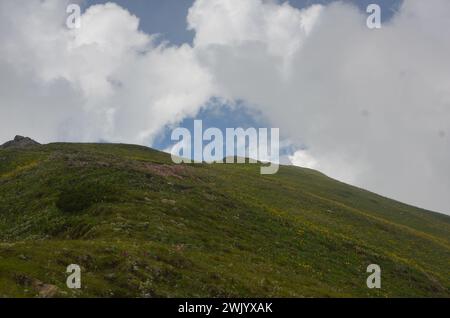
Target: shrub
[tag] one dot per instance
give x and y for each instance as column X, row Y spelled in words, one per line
column 81, row 196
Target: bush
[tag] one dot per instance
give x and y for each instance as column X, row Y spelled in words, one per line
column 81, row 196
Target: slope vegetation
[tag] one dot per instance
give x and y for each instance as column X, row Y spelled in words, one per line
column 140, row 226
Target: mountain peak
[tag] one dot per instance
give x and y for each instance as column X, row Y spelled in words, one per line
column 20, row 142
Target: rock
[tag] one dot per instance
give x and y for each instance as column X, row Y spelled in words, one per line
column 45, row 290
column 48, row 291
column 110, row 276
column 20, row 142
column 167, row 201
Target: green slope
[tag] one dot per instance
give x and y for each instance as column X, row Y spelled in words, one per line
column 140, row 226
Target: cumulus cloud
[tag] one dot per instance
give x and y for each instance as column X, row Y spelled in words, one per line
column 369, row 107
column 106, row 80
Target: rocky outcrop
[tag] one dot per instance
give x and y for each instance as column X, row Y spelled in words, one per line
column 20, row 142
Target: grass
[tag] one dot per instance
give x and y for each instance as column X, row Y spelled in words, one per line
column 140, row 226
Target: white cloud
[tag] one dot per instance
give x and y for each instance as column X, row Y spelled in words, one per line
column 119, row 85
column 372, row 107
column 301, row 158
column 368, row 104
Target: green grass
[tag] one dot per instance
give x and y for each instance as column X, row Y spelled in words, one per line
column 140, row 226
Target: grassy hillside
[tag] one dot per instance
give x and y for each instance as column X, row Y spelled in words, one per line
column 140, row 226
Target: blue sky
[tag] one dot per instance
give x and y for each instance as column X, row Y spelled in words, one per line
column 220, row 116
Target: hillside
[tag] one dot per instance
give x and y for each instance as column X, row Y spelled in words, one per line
column 140, row 226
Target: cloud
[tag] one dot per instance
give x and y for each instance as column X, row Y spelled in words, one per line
column 369, row 107
column 106, row 80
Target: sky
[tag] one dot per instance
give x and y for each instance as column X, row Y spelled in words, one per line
column 369, row 107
